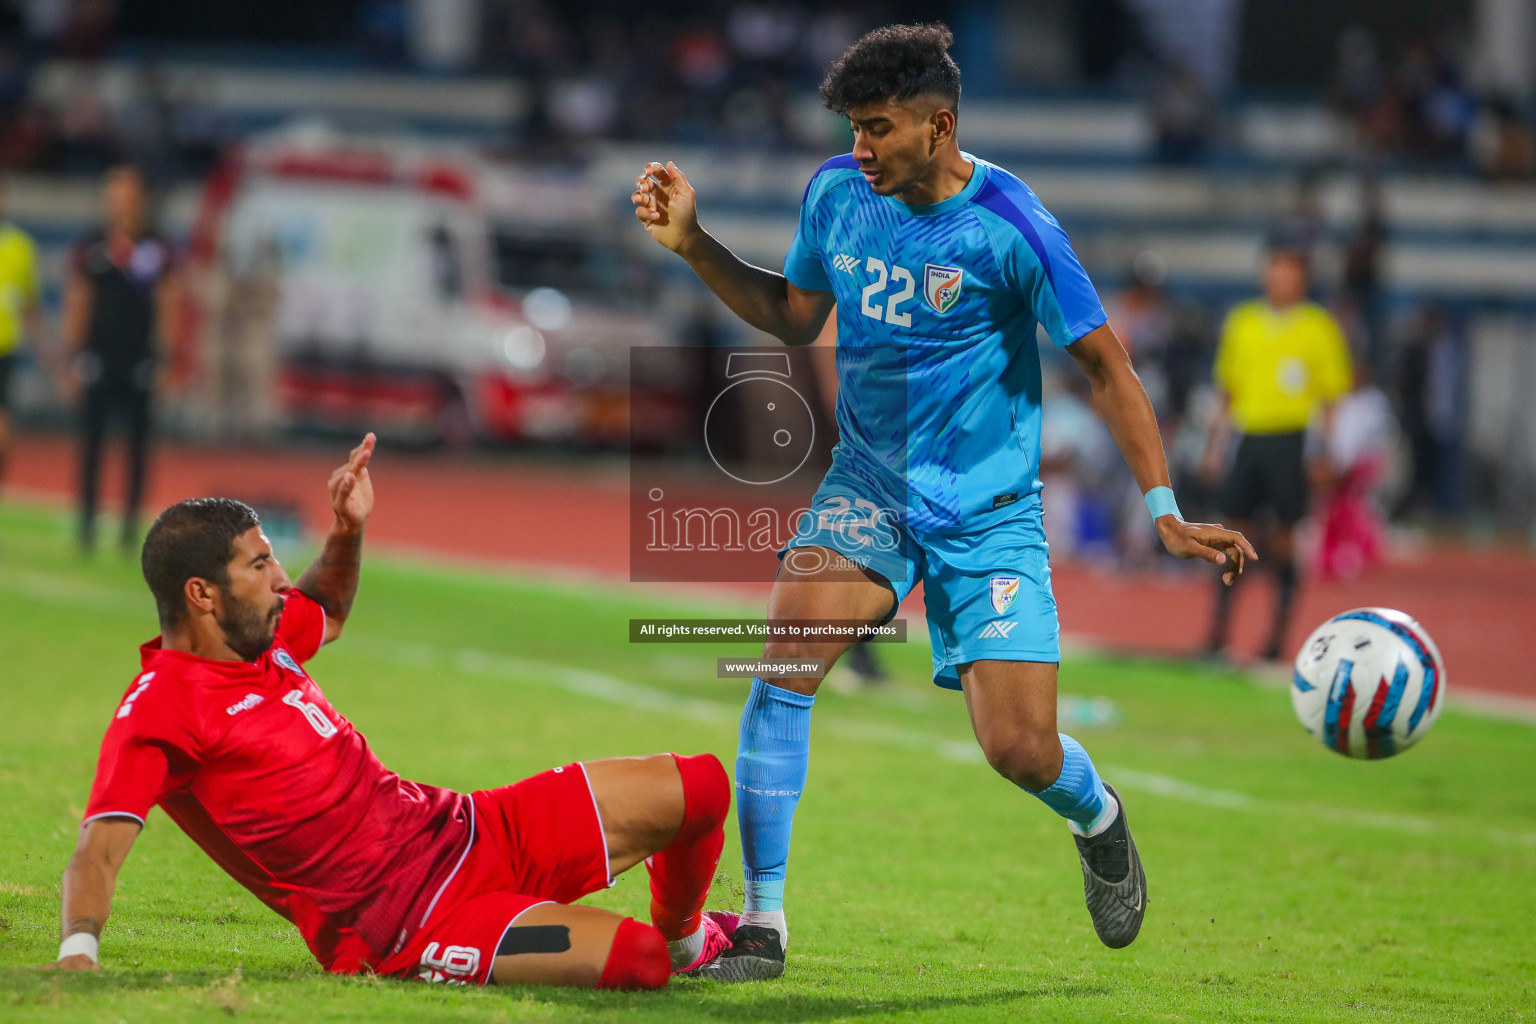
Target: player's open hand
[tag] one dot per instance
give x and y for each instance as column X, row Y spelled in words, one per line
column 663, row 201
column 76, row 962
column 352, row 489
column 1210, row 542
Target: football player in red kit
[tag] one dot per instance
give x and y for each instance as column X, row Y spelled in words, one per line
column 226, row 731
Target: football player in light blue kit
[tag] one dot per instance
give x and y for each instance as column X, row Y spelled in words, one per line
column 939, row 266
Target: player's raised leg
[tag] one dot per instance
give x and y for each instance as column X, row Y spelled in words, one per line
column 773, row 750
column 1013, row 710
column 668, row 811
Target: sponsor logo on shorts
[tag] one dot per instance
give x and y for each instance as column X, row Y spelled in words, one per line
column 846, row 263
column 1004, row 590
column 997, row 630
column 285, row 659
column 245, row 703
column 458, row 965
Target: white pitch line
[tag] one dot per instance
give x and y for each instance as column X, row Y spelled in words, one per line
column 613, row 690
column 59, row 589
column 100, row 598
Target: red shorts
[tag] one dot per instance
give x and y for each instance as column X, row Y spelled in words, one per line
column 536, row 841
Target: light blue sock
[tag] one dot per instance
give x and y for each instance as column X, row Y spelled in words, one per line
column 1078, row 793
column 772, row 756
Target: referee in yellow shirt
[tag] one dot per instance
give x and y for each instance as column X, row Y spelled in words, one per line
column 1281, row 361
column 19, row 317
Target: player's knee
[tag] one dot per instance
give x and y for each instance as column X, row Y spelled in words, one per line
column 786, row 649
column 706, row 795
column 800, row 652
column 638, row 958
column 1028, row 758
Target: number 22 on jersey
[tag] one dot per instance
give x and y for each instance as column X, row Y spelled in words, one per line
column 873, row 291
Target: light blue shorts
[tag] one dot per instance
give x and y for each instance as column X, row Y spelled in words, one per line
column 987, row 585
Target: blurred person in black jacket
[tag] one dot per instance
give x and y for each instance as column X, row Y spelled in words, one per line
column 120, row 300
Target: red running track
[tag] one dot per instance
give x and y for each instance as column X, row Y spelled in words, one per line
column 1479, row 604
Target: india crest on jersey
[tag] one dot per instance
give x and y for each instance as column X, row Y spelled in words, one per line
column 1004, row 590
column 941, row 286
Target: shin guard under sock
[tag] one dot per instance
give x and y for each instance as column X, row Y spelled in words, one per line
column 772, row 758
column 682, row 872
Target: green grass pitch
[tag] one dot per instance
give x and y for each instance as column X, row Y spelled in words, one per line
column 1287, row 884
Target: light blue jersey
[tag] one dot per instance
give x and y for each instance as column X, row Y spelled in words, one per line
column 939, row 376
column 938, row 403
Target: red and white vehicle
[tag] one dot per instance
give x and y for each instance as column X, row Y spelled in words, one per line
column 431, row 294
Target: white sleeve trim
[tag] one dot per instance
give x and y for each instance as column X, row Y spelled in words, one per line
column 597, row 812
column 113, row 814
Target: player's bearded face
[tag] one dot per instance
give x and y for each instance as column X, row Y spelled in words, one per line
column 251, row 601
column 249, row 625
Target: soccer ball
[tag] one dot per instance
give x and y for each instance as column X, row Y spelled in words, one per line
column 1368, row 683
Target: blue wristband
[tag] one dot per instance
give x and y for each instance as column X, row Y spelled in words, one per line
column 1160, row 502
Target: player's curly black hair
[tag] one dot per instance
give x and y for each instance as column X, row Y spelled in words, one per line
column 896, row 62
column 191, row 539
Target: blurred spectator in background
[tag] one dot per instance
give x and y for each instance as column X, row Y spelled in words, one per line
column 1169, row 343
column 1302, row 226
column 1503, row 147
column 1350, row 470
column 383, row 28
column 1357, row 86
column 1432, row 383
column 19, row 317
column 85, row 143
column 1084, row 478
column 144, row 124
column 1184, row 118
column 239, row 371
column 1362, row 277
column 1281, row 360
column 1144, row 323
column 120, row 301
column 1437, row 105
column 1413, row 104
column 87, row 27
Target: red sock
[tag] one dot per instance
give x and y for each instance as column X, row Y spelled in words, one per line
column 681, row 874
column 637, row 959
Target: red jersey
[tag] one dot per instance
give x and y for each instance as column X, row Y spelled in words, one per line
column 255, row 765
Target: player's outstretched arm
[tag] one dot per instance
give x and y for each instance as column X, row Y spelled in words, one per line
column 664, row 205
column 331, row 579
column 89, row 880
column 1127, row 412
